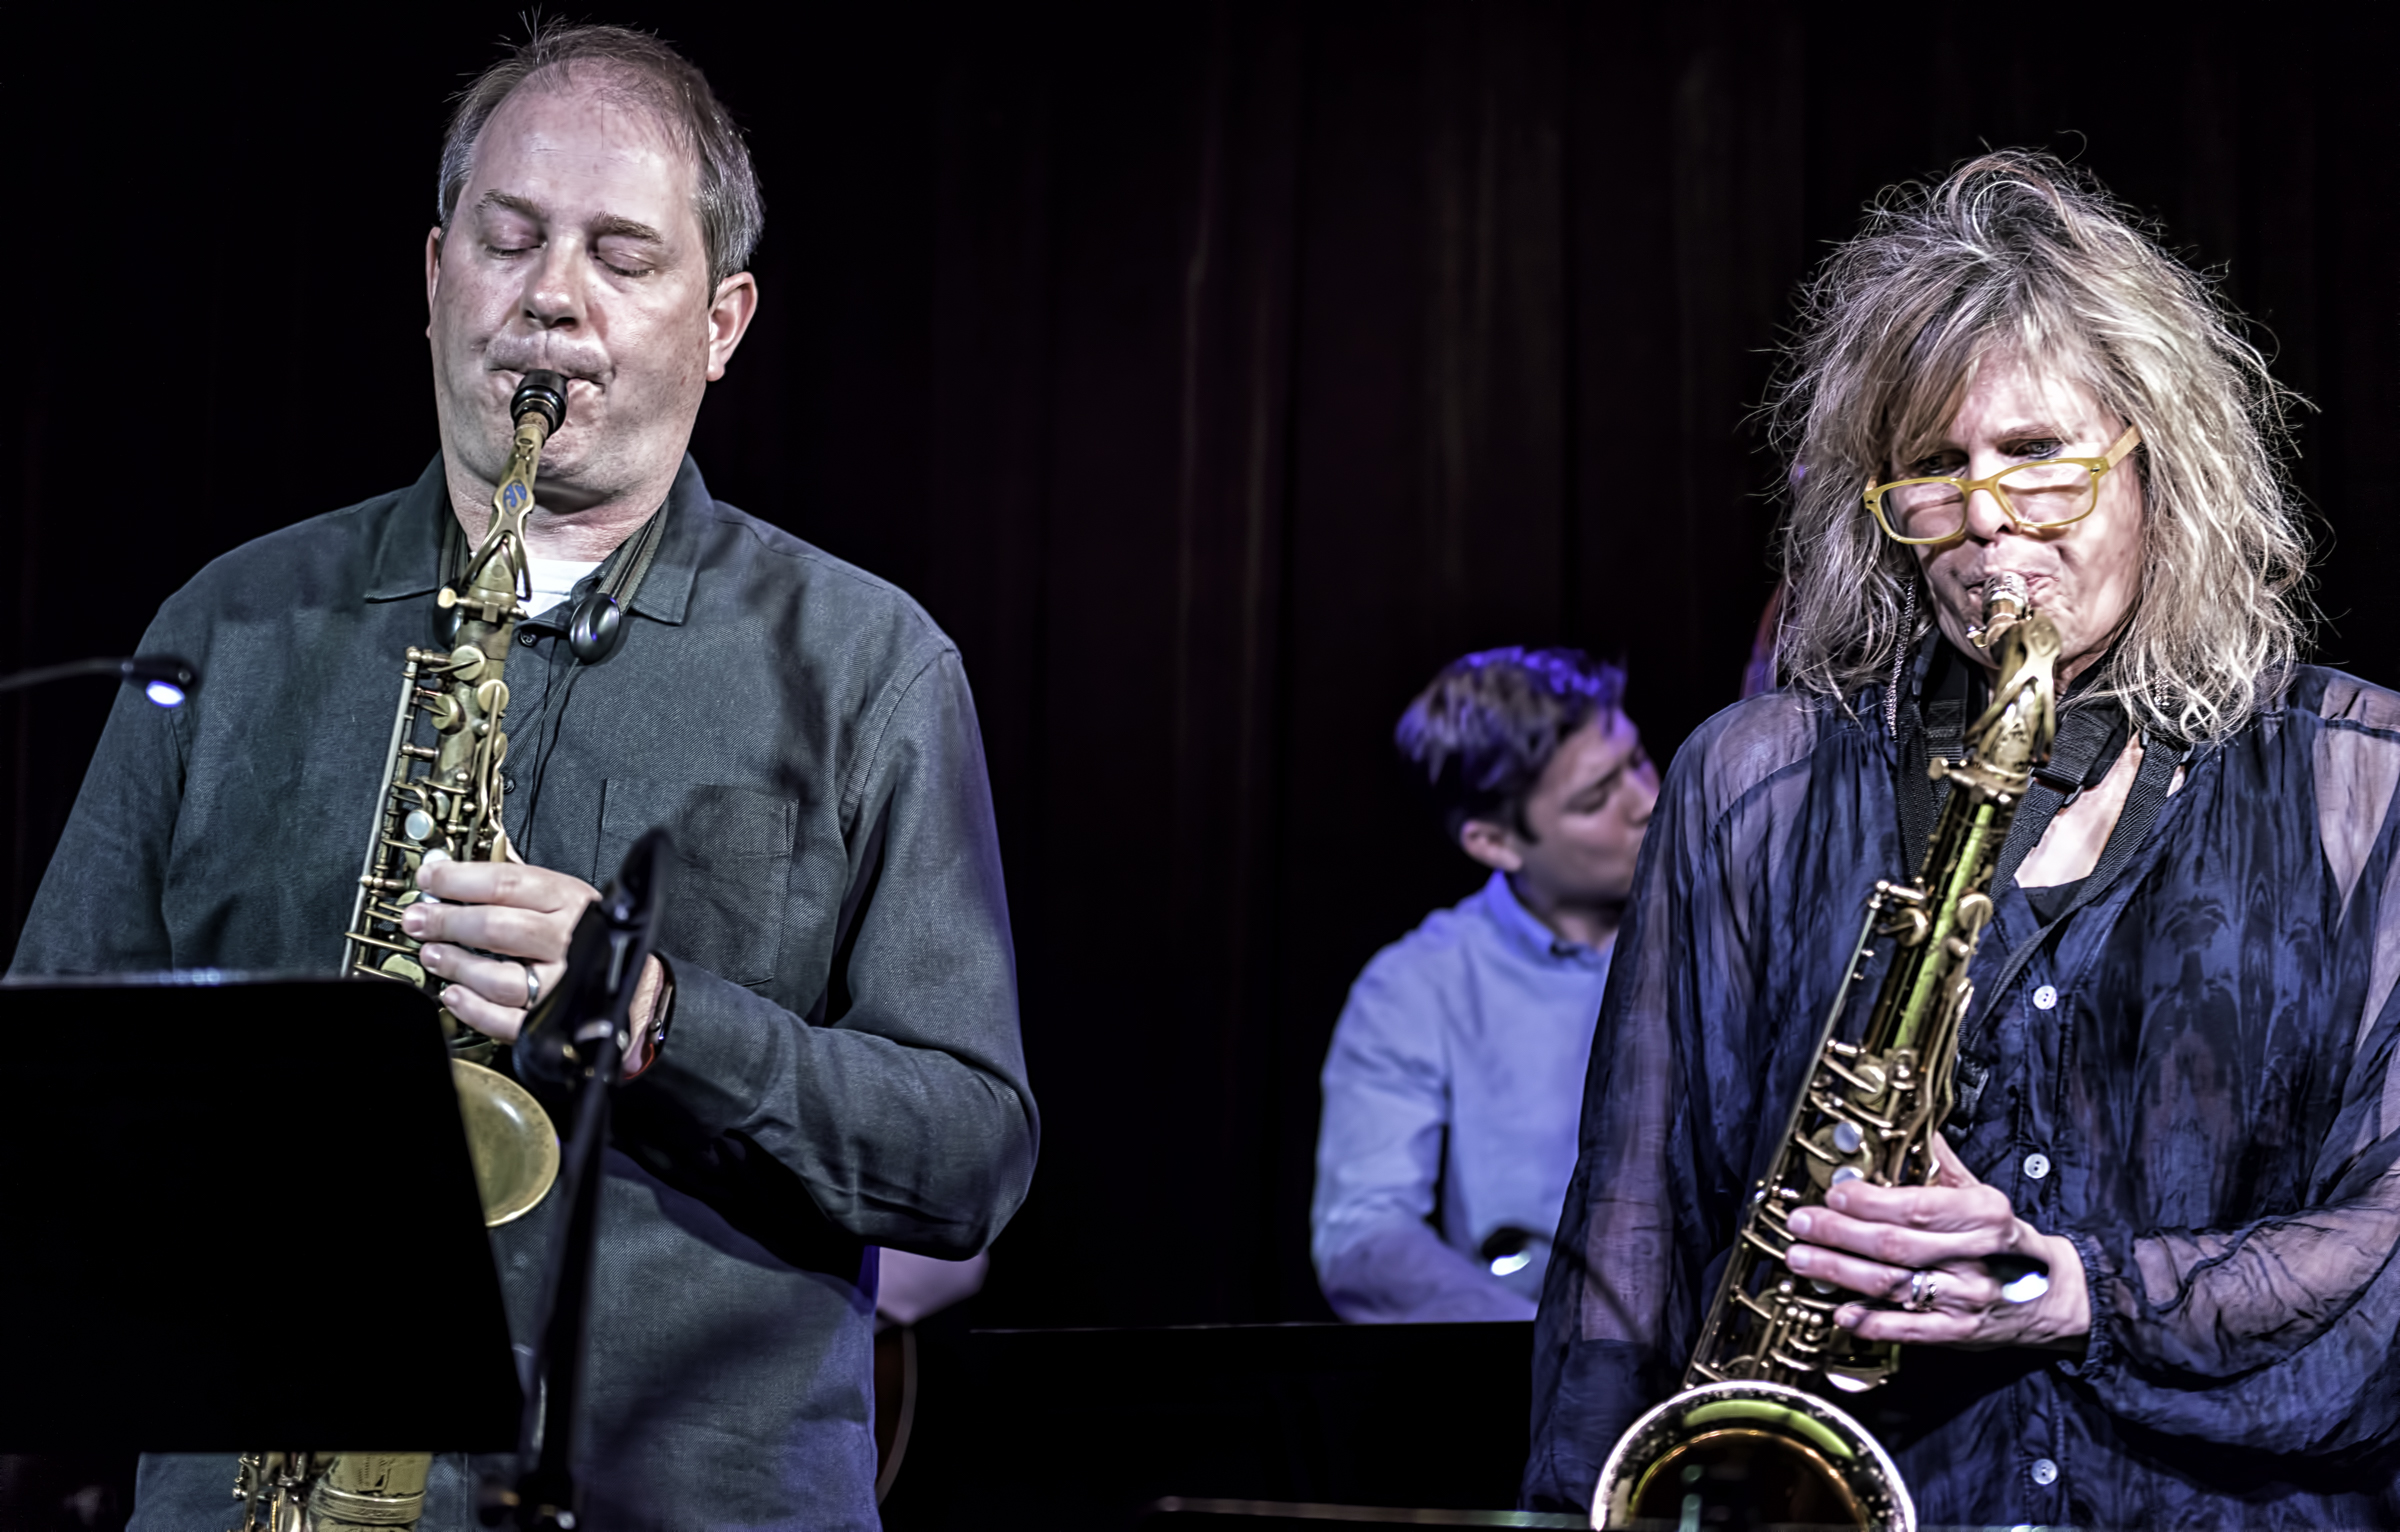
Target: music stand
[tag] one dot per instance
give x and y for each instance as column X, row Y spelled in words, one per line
column 240, row 1217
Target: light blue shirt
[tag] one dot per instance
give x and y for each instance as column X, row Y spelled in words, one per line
column 1476, row 1026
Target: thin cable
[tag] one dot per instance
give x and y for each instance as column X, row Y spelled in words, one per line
column 620, row 583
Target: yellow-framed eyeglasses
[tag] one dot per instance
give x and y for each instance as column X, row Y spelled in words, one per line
column 2038, row 497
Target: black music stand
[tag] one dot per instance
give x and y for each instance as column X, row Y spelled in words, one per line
column 239, row 1216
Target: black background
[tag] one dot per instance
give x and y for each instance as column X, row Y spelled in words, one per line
column 1211, row 372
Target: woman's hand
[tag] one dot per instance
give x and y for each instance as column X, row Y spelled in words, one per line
column 1939, row 1245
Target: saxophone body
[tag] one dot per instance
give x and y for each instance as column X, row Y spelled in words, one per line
column 440, row 799
column 1752, row 1426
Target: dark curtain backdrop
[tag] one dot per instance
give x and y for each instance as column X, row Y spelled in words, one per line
column 1212, row 372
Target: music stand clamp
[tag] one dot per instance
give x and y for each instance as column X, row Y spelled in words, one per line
column 576, row 1041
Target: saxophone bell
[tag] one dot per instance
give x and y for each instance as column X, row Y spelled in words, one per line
column 1752, row 1443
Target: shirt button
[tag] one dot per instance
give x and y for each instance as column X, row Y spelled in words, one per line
column 2045, row 1472
column 2037, row 1165
column 525, row 637
column 2045, row 998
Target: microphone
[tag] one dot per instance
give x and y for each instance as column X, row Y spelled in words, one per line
column 164, row 678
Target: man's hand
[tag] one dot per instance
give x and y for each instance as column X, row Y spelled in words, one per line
column 525, row 914
column 1874, row 1240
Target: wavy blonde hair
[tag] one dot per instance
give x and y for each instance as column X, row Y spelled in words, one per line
column 2016, row 253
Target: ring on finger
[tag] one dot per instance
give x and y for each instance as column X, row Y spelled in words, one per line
column 1923, row 1288
column 533, row 985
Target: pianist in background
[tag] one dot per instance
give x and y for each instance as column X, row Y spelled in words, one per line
column 1455, row 1078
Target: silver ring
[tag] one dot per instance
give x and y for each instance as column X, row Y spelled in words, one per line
column 1923, row 1288
column 533, row 987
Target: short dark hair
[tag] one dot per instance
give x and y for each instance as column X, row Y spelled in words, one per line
column 652, row 74
column 1483, row 732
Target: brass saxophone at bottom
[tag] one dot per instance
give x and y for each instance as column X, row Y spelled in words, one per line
column 1745, row 1430
column 439, row 800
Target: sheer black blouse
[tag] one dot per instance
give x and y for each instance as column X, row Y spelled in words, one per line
column 2192, row 1078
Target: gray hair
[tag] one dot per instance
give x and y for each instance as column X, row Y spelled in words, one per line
column 651, row 74
column 2016, row 253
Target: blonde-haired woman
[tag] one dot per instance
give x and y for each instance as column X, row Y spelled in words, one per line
column 2178, row 1089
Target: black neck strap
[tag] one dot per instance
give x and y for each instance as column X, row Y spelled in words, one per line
column 1946, row 691
column 2161, row 759
column 634, row 557
column 2088, row 743
column 620, row 577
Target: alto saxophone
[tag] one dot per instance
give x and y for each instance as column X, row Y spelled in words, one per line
column 1747, row 1429
column 440, row 800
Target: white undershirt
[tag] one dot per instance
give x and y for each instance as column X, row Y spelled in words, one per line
column 552, row 579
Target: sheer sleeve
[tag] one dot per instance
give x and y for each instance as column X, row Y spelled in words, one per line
column 2278, row 1333
column 1666, row 1106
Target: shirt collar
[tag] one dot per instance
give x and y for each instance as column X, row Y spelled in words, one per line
column 1527, row 932
column 408, row 546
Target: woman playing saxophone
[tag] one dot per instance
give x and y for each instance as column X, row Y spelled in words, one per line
column 2148, row 1281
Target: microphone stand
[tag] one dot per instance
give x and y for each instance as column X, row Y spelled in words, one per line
column 577, row 1040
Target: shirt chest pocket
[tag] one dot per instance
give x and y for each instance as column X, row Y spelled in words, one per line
column 725, row 890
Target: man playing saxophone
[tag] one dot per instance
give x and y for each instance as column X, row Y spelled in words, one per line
column 2174, row 1076
column 827, row 1057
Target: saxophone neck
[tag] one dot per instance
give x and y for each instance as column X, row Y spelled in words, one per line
column 2013, row 734
column 495, row 574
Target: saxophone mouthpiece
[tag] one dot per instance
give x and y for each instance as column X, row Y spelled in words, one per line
column 2006, row 599
column 542, row 392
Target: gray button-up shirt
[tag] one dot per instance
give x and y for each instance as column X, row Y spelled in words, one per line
column 844, row 1069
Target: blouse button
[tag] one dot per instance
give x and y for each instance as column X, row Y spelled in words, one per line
column 2045, row 998
column 2045, row 1472
column 2037, row 1165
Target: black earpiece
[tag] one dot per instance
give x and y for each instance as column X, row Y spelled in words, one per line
column 596, row 624
column 595, row 627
